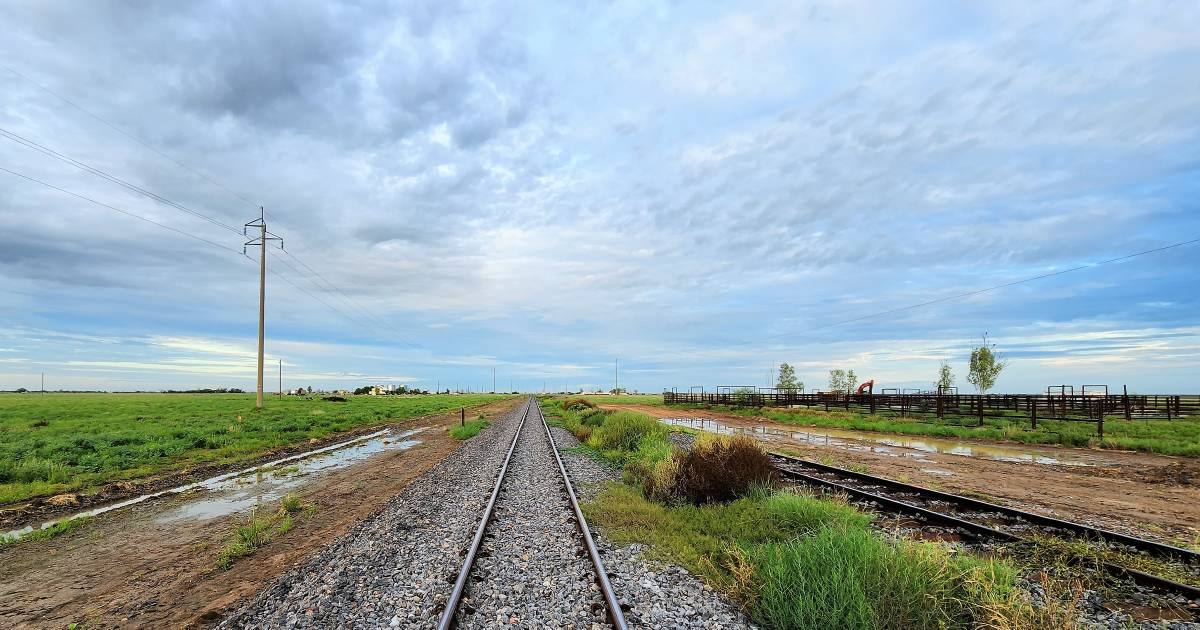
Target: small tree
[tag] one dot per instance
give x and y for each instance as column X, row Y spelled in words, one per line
column 945, row 379
column 985, row 367
column 837, row 380
column 787, row 379
column 851, row 382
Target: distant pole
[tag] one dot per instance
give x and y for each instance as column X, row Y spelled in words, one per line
column 281, row 378
column 493, row 380
column 261, row 241
column 616, row 381
column 43, row 383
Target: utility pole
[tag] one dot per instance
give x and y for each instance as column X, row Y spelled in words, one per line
column 281, row 378
column 261, row 242
column 616, row 381
column 43, row 383
column 493, row 380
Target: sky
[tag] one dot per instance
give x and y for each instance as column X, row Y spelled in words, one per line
column 696, row 191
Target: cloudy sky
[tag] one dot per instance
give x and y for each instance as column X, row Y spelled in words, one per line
column 697, row 189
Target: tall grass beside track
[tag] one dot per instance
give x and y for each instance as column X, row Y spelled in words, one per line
column 56, row 443
column 792, row 560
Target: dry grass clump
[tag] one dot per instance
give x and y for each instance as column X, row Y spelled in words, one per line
column 577, row 404
column 723, row 469
column 717, row 468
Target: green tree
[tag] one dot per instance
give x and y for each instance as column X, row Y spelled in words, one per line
column 945, row 379
column 837, row 381
column 851, row 382
column 985, row 367
column 787, row 379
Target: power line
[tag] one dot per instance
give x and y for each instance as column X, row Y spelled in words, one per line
column 164, row 200
column 120, row 210
column 335, row 288
column 112, row 178
column 180, row 232
column 100, row 173
column 350, row 318
column 108, row 124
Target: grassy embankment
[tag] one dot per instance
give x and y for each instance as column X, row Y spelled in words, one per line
column 792, row 560
column 57, row 443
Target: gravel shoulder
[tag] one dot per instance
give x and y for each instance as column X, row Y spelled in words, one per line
column 659, row 595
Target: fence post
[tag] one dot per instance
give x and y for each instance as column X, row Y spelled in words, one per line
column 1168, row 406
column 462, row 416
column 1100, row 420
column 1033, row 411
column 848, row 402
column 939, row 404
column 1125, row 401
column 981, row 410
column 871, row 393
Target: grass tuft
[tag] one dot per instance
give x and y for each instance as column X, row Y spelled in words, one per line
column 261, row 528
column 469, row 430
column 47, row 533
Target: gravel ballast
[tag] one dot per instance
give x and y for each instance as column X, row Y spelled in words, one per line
column 533, row 570
column 395, row 569
column 658, row 594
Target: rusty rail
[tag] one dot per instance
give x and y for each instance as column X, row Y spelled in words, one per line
column 615, row 615
column 895, row 505
column 449, row 615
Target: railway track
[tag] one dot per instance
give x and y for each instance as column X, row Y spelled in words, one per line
column 966, row 517
column 524, row 528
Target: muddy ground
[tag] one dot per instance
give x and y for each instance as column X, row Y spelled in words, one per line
column 1154, row 496
column 123, row 569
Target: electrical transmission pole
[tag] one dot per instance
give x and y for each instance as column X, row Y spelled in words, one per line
column 261, row 242
column 616, row 381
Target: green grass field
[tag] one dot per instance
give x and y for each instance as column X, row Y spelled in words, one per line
column 57, row 443
column 621, row 399
column 1169, row 437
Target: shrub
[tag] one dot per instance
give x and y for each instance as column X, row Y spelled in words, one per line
column 623, row 431
column 577, row 404
column 593, row 417
column 723, row 468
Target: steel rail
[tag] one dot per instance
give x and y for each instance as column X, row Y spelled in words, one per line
column 616, row 616
column 896, row 505
column 460, row 585
column 1149, row 546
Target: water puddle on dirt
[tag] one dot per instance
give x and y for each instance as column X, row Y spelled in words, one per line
column 914, row 448
column 240, row 490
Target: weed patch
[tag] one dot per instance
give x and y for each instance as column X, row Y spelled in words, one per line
column 47, row 533
column 261, row 528
column 469, row 430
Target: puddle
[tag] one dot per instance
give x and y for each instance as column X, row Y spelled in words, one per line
column 937, row 471
column 914, row 448
column 240, row 490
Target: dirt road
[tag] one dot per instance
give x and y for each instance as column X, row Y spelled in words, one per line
column 126, row 569
column 1145, row 494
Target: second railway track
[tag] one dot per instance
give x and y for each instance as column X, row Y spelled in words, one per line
column 974, row 519
column 532, row 561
